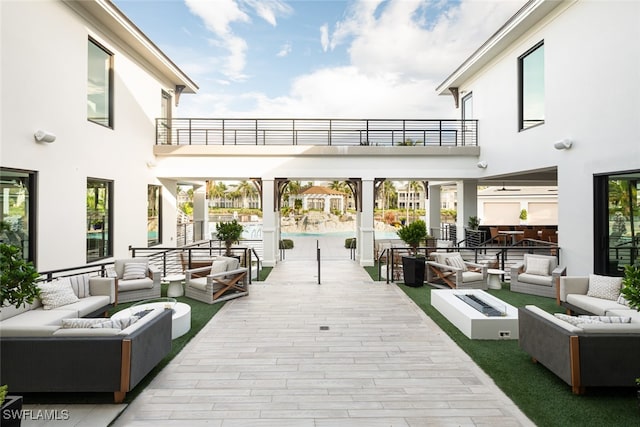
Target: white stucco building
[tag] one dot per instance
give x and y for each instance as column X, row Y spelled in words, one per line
column 556, row 71
column 83, row 72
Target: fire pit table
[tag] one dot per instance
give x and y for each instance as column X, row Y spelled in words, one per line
column 476, row 313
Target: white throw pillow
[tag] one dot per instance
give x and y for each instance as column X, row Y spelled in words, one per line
column 604, row 287
column 537, row 266
column 218, row 266
column 575, row 320
column 81, row 322
column 57, row 293
column 457, row 262
column 608, row 319
column 120, row 323
column 134, row 270
column 80, row 285
column 623, row 301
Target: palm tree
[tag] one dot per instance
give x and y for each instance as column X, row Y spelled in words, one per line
column 216, row 191
column 245, row 189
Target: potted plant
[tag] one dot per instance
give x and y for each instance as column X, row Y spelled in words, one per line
column 413, row 266
column 229, row 233
column 523, row 216
column 10, row 408
column 631, row 285
column 17, row 276
column 472, row 234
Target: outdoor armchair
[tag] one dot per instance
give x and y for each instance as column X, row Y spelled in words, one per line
column 452, row 270
column 224, row 280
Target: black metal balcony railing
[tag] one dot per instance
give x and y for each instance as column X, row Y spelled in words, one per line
column 339, row 132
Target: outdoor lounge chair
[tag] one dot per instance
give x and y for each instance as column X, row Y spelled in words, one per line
column 224, row 280
column 537, row 275
column 450, row 269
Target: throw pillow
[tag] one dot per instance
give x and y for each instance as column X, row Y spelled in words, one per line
column 120, row 323
column 134, row 270
column 537, row 266
column 623, row 301
column 80, row 322
column 110, row 271
column 57, row 293
column 219, row 266
column 608, row 319
column 457, row 262
column 604, row 287
column 80, row 285
column 574, row 320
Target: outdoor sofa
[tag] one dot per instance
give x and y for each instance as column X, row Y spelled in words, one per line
column 582, row 354
column 46, row 347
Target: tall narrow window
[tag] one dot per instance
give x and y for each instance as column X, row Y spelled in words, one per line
column 531, row 82
column 154, row 215
column 164, row 123
column 99, row 219
column 17, row 210
column 100, row 85
column 617, row 227
column 468, row 126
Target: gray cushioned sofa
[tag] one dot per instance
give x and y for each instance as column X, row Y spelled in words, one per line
column 584, row 355
column 48, row 349
column 113, row 361
column 574, row 295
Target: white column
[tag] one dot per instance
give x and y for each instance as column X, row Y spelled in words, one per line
column 467, row 195
column 200, row 214
column 270, row 223
column 366, row 230
column 434, row 209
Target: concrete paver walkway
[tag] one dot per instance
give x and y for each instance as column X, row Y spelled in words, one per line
column 347, row 352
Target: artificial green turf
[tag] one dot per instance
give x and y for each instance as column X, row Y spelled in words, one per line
column 539, row 393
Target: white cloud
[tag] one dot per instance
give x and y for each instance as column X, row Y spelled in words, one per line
column 398, row 52
column 324, row 37
column 285, row 50
column 219, row 16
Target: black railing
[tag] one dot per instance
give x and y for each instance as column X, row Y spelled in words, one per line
column 339, row 132
column 502, row 257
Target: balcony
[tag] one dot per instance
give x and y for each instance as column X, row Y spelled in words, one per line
column 316, row 132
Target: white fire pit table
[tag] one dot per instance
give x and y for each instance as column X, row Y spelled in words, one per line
column 180, row 320
column 472, row 322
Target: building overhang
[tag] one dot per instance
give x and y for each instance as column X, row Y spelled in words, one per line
column 528, row 16
column 107, row 15
column 311, row 151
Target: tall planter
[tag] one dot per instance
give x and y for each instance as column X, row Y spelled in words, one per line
column 413, row 271
column 11, row 412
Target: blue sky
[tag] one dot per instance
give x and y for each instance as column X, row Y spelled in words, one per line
column 322, row 59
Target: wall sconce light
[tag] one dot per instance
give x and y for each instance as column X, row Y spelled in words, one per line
column 151, row 164
column 482, row 164
column 563, row 144
column 44, row 136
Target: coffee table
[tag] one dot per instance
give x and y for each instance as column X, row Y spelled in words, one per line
column 473, row 323
column 180, row 320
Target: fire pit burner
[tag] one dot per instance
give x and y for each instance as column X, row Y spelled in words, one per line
column 480, row 305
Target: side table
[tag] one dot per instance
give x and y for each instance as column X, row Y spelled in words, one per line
column 175, row 288
column 493, row 279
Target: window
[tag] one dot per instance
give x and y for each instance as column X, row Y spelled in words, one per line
column 99, row 219
column 467, row 107
column 531, row 87
column 617, row 222
column 164, row 125
column 18, row 210
column 100, row 85
column 154, row 215
column 468, row 129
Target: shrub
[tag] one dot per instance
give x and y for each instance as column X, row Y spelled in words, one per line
column 350, row 242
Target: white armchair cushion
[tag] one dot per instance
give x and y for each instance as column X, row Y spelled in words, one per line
column 218, row 266
column 134, row 270
column 604, row 287
column 537, row 266
column 57, row 293
column 457, row 262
